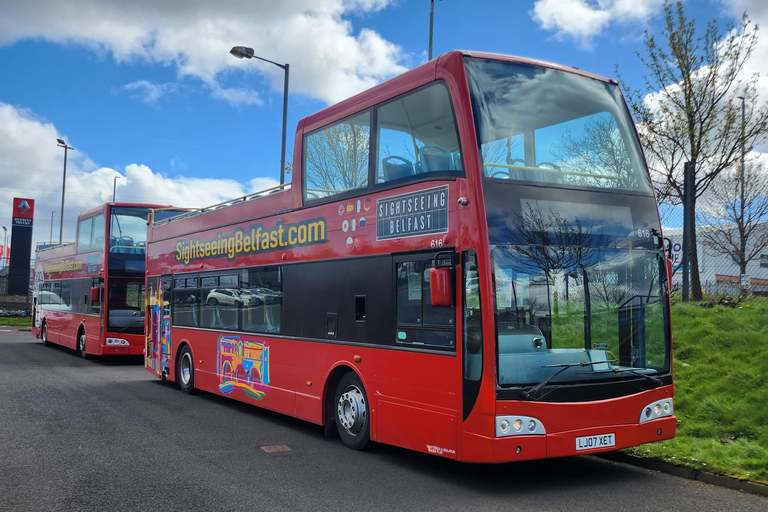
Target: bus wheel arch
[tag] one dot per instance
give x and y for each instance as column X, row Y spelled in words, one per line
column 81, row 342
column 185, row 369
column 352, row 411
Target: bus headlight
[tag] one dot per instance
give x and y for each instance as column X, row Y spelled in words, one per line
column 518, row 425
column 657, row 409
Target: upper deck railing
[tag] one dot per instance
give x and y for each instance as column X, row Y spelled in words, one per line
column 191, row 212
column 48, row 246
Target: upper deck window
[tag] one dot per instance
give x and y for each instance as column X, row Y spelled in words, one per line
column 415, row 137
column 90, row 234
column 544, row 125
column 128, row 230
column 417, row 134
column 337, row 158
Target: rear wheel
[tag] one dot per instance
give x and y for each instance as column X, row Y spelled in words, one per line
column 185, row 371
column 44, row 335
column 81, row 345
column 352, row 418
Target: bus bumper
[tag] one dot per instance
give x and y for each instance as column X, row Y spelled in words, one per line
column 477, row 448
column 122, row 345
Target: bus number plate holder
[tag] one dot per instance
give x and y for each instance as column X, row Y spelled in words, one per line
column 595, row 442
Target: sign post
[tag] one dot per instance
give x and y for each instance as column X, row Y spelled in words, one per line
column 21, row 241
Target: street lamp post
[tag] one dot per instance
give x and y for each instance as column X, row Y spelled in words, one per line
column 51, row 239
column 63, row 144
column 114, row 187
column 431, row 25
column 242, row 52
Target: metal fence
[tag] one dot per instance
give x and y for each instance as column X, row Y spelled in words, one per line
column 719, row 252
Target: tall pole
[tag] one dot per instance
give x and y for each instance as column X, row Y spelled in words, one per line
column 287, row 68
column 114, row 188
column 63, row 188
column 687, row 224
column 742, row 248
column 431, row 25
column 64, row 145
column 243, row 52
column 51, row 236
column 743, row 147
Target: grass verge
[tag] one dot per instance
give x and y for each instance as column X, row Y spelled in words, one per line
column 9, row 321
column 721, row 369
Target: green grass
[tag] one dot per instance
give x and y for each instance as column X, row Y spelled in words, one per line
column 22, row 321
column 721, row 391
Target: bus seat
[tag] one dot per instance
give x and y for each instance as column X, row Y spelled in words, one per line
column 228, row 317
column 435, row 158
column 396, row 167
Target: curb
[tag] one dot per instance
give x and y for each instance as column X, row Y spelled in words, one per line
column 691, row 474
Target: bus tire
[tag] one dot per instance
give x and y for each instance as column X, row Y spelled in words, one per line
column 44, row 334
column 185, row 371
column 81, row 345
column 352, row 416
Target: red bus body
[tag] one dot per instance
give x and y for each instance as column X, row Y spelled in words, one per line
column 88, row 294
column 341, row 270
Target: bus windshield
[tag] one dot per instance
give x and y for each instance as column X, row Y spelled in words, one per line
column 597, row 312
column 540, row 124
column 128, row 230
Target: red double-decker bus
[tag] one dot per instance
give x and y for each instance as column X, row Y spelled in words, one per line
column 468, row 262
column 88, row 295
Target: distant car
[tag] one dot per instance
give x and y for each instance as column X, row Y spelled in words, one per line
column 266, row 296
column 228, row 297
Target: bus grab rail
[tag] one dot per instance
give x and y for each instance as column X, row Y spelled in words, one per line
column 196, row 211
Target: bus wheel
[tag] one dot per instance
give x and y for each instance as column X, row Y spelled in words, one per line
column 352, row 420
column 81, row 345
column 185, row 371
column 44, row 334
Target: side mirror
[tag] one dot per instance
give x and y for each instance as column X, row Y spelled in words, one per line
column 94, row 294
column 440, row 286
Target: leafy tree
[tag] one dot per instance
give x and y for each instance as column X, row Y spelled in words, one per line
column 690, row 109
column 737, row 212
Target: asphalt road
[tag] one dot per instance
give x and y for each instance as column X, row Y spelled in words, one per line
column 105, row 435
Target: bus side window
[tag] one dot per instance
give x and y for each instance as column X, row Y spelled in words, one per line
column 337, row 157
column 417, row 134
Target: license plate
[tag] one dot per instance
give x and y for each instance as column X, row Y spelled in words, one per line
column 595, row 442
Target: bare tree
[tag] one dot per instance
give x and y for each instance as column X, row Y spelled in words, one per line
column 337, row 158
column 597, row 149
column 737, row 228
column 690, row 109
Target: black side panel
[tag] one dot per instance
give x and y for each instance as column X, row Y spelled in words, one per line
column 313, row 290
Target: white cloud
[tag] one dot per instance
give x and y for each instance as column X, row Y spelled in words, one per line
column 328, row 60
column 31, row 166
column 148, row 92
column 582, row 20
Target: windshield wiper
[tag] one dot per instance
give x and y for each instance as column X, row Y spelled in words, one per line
column 535, row 389
column 655, row 380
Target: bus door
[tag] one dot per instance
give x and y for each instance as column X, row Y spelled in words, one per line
column 97, row 294
column 157, row 352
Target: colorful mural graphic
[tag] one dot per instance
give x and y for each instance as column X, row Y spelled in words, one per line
column 244, row 365
column 158, row 351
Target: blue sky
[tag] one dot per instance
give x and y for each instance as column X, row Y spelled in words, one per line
column 147, row 92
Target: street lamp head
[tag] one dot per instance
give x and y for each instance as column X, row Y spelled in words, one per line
column 242, row 52
column 63, row 144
